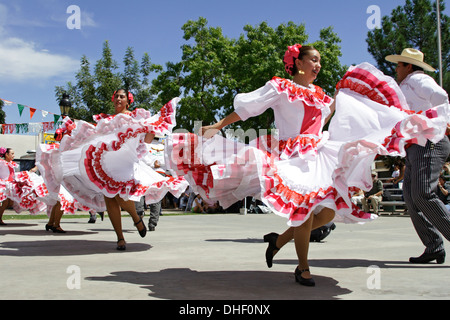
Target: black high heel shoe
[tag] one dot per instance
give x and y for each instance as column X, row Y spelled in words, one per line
column 122, row 247
column 271, row 238
column 305, row 282
column 48, row 227
column 58, row 230
column 142, row 232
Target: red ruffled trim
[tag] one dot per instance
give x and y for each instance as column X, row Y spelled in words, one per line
column 102, row 180
column 162, row 124
column 299, row 146
column 11, row 166
column 67, row 206
column 26, row 194
column 92, row 161
column 71, row 206
column 297, row 206
column 184, row 147
column 296, row 147
column 309, row 97
column 370, row 86
column 396, row 140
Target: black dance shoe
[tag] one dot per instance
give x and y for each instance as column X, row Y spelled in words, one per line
column 142, row 232
column 122, row 247
column 428, row 257
column 58, row 230
column 304, row 282
column 271, row 238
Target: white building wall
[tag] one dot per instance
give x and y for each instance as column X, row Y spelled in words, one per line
column 20, row 143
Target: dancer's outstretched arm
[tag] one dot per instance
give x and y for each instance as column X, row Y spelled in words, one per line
column 212, row 130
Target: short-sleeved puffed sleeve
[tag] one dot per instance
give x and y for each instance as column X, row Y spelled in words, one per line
column 253, row 104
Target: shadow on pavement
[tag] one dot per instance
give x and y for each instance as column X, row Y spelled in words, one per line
column 187, row 284
column 55, row 248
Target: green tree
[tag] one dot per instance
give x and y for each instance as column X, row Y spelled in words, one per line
column 413, row 25
column 93, row 91
column 204, row 68
column 2, row 112
column 143, row 95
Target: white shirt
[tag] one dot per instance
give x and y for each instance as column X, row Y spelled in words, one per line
column 422, row 92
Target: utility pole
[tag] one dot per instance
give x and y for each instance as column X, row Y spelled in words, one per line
column 438, row 11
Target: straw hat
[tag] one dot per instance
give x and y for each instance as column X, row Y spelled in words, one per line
column 411, row 56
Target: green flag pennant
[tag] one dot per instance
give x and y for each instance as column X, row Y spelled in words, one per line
column 56, row 117
column 21, row 107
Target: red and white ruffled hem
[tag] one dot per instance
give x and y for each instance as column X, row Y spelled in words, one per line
column 47, row 158
column 299, row 177
column 107, row 160
column 26, row 191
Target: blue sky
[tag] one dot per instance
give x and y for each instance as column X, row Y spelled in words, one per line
column 38, row 51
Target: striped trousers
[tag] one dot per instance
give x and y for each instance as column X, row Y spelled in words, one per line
column 429, row 215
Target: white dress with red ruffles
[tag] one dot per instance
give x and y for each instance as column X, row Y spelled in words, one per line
column 25, row 189
column 47, row 158
column 304, row 169
column 106, row 160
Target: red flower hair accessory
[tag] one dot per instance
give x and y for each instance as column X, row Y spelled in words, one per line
column 130, row 97
column 291, row 54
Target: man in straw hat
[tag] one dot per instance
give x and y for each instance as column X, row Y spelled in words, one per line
column 428, row 213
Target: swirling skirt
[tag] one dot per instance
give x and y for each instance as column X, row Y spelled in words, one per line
column 371, row 119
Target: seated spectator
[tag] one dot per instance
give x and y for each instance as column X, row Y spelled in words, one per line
column 191, row 196
column 397, row 178
column 374, row 196
column 211, row 206
column 357, row 197
column 198, row 206
column 395, row 174
column 446, row 169
column 183, row 201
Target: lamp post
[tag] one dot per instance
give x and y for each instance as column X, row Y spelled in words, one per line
column 65, row 105
column 438, row 12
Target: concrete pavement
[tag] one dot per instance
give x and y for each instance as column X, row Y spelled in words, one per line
column 213, row 257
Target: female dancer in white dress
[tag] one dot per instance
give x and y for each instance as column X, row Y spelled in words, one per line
column 304, row 174
column 102, row 166
column 21, row 190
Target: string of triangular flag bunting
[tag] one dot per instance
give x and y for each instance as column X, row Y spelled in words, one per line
column 29, row 127
column 21, row 107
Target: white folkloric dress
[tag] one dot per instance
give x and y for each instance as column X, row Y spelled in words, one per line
column 25, row 189
column 107, row 159
column 47, row 158
column 305, row 169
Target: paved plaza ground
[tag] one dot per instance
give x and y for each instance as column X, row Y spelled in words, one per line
column 213, row 257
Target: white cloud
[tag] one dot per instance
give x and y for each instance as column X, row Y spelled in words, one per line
column 23, row 61
column 87, row 19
